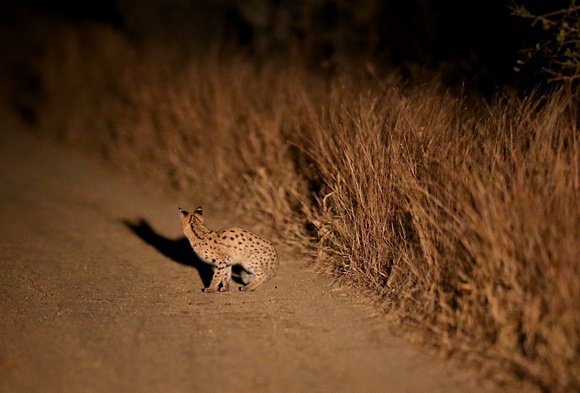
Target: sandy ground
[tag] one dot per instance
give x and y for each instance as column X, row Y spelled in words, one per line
column 98, row 293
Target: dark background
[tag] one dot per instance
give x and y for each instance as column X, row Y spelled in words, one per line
column 471, row 43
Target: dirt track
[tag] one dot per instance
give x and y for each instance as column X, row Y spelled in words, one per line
column 98, row 294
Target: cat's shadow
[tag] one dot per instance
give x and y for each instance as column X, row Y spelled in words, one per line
column 178, row 250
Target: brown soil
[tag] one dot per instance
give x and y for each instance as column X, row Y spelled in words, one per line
column 99, row 294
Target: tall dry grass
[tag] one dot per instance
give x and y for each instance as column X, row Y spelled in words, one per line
column 463, row 221
column 466, row 227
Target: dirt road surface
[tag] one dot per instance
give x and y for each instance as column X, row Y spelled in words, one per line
column 99, row 294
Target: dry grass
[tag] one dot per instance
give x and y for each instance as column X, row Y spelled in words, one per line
column 464, row 223
column 466, row 228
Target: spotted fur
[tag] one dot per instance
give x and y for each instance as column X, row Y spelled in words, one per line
column 228, row 247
